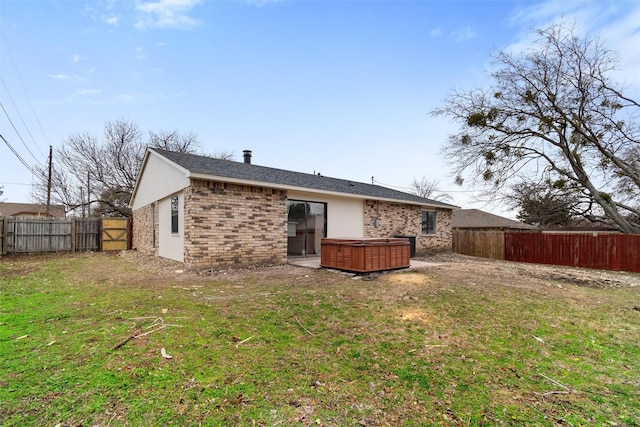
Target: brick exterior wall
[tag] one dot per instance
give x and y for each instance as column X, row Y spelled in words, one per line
column 142, row 224
column 399, row 219
column 233, row 225
column 230, row 225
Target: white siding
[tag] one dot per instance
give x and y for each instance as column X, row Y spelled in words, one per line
column 345, row 217
column 159, row 179
column 171, row 245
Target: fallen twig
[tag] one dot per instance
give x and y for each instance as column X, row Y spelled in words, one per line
column 151, row 331
column 154, row 323
column 549, row 393
column 302, row 326
column 555, row 382
column 243, row 341
column 126, row 340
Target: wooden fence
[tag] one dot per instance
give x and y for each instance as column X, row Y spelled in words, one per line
column 485, row 244
column 598, row 250
column 28, row 234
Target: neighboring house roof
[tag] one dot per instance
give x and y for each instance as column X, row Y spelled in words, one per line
column 30, row 209
column 202, row 167
column 475, row 218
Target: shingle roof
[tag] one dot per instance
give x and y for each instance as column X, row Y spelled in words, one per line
column 261, row 174
column 475, row 218
column 19, row 209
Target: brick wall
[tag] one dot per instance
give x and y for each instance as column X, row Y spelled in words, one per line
column 142, row 224
column 229, row 225
column 401, row 219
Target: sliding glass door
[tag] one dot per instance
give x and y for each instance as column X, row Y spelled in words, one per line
column 306, row 225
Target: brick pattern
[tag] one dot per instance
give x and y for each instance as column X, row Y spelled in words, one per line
column 233, row 225
column 142, row 224
column 229, row 224
column 399, row 219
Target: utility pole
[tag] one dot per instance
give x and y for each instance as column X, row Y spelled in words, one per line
column 82, row 199
column 88, row 194
column 49, row 180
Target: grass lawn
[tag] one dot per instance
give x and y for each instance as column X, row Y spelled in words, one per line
column 467, row 342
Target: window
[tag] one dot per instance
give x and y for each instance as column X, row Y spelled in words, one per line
column 153, row 225
column 428, row 222
column 174, row 215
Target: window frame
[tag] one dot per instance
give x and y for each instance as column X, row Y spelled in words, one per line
column 174, row 204
column 153, row 225
column 425, row 222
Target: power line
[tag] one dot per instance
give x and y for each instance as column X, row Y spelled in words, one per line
column 18, row 133
column 21, row 118
column 15, row 66
column 26, row 165
column 22, row 183
column 439, row 191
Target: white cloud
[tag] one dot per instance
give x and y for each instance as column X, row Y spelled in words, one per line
column 126, row 98
column 166, row 14
column 616, row 23
column 261, row 3
column 436, row 32
column 136, row 97
column 111, row 20
column 88, row 92
column 140, row 53
column 462, row 34
column 76, row 58
column 60, row 76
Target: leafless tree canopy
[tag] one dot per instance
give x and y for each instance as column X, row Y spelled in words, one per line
column 429, row 190
column 102, row 172
column 553, row 116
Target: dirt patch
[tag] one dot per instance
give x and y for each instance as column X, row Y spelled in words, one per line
column 404, row 279
column 481, row 270
column 445, row 267
column 414, row 315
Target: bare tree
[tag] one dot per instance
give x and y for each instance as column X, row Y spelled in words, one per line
column 429, row 190
column 554, row 113
column 103, row 172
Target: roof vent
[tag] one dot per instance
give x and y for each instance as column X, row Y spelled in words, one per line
column 247, row 156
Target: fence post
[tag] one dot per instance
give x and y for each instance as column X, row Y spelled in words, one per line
column 73, row 234
column 129, row 233
column 3, row 236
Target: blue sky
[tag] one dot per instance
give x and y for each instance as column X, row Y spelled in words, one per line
column 343, row 88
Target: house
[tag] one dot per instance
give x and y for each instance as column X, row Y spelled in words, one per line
column 210, row 212
column 30, row 209
column 477, row 220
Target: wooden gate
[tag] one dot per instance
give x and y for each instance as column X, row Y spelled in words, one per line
column 88, row 234
column 115, row 234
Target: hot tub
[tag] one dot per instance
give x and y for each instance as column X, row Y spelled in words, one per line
column 365, row 255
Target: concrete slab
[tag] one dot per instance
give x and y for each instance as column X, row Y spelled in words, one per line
column 314, row 262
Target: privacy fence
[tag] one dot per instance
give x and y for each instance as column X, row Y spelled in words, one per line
column 28, row 234
column 605, row 251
